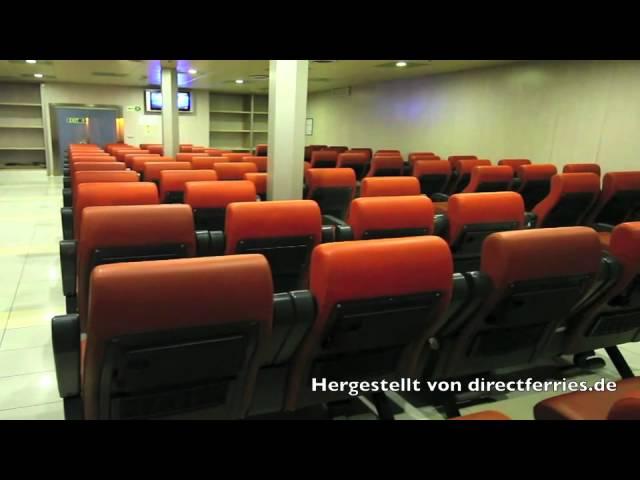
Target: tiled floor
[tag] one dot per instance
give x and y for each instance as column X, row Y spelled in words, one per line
column 31, row 293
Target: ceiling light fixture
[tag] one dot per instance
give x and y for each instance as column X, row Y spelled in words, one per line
column 239, row 81
column 192, row 71
column 401, row 64
column 31, row 61
column 38, row 75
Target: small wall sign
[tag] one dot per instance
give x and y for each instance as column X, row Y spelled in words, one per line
column 77, row 120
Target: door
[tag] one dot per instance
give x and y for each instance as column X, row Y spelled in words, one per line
column 83, row 125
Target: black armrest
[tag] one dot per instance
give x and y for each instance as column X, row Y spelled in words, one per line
column 439, row 197
column 66, row 181
column 66, row 197
column 515, row 184
column 68, row 257
column 66, row 214
column 332, row 220
column 293, row 315
column 343, row 233
column 603, row 227
column 66, row 171
column 530, row 219
column 440, row 225
column 210, row 243
column 65, row 336
column 328, row 233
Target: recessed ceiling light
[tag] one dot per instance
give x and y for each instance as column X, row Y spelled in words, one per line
column 31, row 61
column 192, row 71
column 38, row 75
column 401, row 64
column 239, row 81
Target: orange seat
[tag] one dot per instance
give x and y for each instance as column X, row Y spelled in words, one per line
column 102, row 176
column 324, row 159
column 234, row 156
column 386, row 166
column 415, row 156
column 569, row 200
column 433, row 175
column 357, row 161
column 105, row 166
column 621, row 404
column 184, row 148
column 138, row 163
column 387, row 217
column 514, row 163
column 206, row 163
column 260, row 162
column 209, row 200
column 119, row 154
column 91, row 158
column 462, row 173
column 367, row 152
column 339, row 148
column 172, row 182
column 619, row 201
column 454, row 159
column 261, row 150
column 216, row 152
column 332, row 189
column 489, row 179
column 582, row 168
column 188, row 156
column 484, row 415
column 159, row 149
column 389, row 186
column 309, row 149
column 152, row 169
column 128, row 157
column 233, row 170
column 535, row 183
column 260, row 182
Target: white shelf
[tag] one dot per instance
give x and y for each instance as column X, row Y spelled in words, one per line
column 261, row 113
column 20, row 104
column 235, row 112
column 21, row 126
column 23, row 148
column 229, row 131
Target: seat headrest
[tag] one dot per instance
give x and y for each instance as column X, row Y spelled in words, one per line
column 536, row 172
column 391, row 161
column 119, row 154
column 152, row 169
column 181, row 293
column 156, row 149
column 138, row 163
column 483, row 208
column 363, row 269
column 273, row 219
column 613, row 182
column 187, row 156
column 575, row 183
column 522, row 255
column 389, row 186
column 431, row 167
column 259, row 180
column 206, row 163
column 330, row 178
column 128, row 158
column 104, row 176
column 489, row 174
column 625, row 244
column 174, row 180
column 352, row 158
column 465, row 166
column 582, row 168
column 233, row 156
column 390, row 213
column 324, row 155
column 514, row 162
column 234, row 170
column 260, row 162
column 218, row 194
column 91, row 158
column 104, row 166
column 116, row 193
column 261, row 149
column 626, row 408
column 382, row 152
column 454, row 159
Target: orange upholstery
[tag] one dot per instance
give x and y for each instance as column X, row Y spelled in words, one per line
column 260, row 182
column 317, row 178
column 582, row 168
column 463, row 169
column 338, row 148
column 128, row 157
column 260, row 162
column 466, row 165
column 261, row 150
column 138, row 163
column 105, row 194
column 377, row 217
column 621, row 404
column 156, row 290
column 129, row 226
column 357, row 161
column 535, row 172
column 309, row 149
column 102, row 176
column 145, row 146
column 415, row 156
column 484, row 415
column 454, row 159
column 91, row 158
column 306, row 167
column 367, row 152
column 483, row 208
column 105, row 166
column 570, row 198
column 509, row 257
column 489, row 179
column 206, row 163
column 386, row 165
column 175, row 180
column 431, row 167
column 152, row 169
column 215, row 152
column 514, row 163
column 620, row 199
column 535, row 183
column 188, row 156
column 184, row 148
column 119, row 154
column 385, row 152
column 196, row 149
column 273, row 219
column 234, row 157
column 324, row 158
column 389, row 186
column 234, row 170
column 156, row 149
column 342, row 272
column 216, row 194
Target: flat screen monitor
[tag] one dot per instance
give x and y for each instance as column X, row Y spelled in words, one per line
column 153, row 101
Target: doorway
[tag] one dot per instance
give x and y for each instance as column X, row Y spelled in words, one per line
column 81, row 124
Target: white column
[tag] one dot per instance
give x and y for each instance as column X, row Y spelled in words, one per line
column 287, row 113
column 170, row 130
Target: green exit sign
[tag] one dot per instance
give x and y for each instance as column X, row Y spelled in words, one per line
column 77, row 120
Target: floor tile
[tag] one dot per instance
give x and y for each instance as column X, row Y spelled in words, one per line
column 28, row 390
column 26, row 360
column 47, row 411
column 27, row 337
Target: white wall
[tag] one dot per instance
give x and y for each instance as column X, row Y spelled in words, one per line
column 138, row 126
column 549, row 111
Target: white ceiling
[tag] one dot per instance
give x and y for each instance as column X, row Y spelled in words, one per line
column 220, row 75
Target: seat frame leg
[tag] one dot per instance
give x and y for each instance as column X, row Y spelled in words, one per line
column 383, row 406
column 619, row 362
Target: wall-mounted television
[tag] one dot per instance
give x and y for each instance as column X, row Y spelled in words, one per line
column 153, row 101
